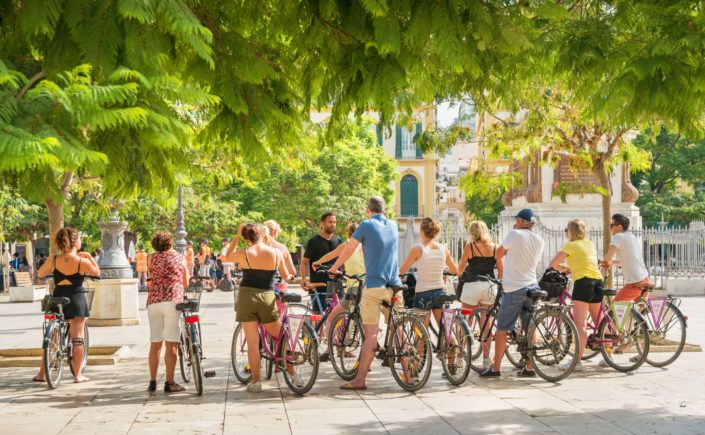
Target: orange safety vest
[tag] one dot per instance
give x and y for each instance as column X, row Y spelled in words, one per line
column 189, row 257
column 141, row 259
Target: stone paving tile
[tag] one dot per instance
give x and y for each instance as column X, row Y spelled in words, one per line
column 600, row 400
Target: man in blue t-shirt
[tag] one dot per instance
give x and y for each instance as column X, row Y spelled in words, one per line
column 379, row 237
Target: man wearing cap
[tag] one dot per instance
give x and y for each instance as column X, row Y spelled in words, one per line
column 523, row 250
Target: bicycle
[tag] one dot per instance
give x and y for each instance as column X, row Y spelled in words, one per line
column 620, row 333
column 346, row 335
column 56, row 343
column 407, row 345
column 547, row 340
column 296, row 347
column 190, row 349
column 667, row 327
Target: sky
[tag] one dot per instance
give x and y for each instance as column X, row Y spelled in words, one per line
column 446, row 114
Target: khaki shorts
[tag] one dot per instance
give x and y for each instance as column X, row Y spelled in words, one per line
column 371, row 303
column 256, row 305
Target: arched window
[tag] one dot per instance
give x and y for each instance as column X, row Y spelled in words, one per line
column 409, row 188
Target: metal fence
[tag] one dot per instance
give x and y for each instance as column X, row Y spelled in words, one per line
column 667, row 252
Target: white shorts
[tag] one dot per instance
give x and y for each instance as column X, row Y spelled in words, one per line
column 164, row 322
column 476, row 293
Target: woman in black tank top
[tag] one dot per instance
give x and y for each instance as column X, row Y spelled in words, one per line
column 477, row 264
column 256, row 302
column 69, row 269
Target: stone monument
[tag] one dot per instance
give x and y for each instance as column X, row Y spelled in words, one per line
column 116, row 300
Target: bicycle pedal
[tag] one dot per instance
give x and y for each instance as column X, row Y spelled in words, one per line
column 209, row 374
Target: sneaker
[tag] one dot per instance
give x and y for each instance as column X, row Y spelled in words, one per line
column 296, row 380
column 254, row 387
column 603, row 363
column 486, row 363
column 526, row 373
column 489, row 373
column 566, row 366
column 635, row 358
column 325, row 357
column 152, row 386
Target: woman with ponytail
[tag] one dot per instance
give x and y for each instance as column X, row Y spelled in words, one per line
column 69, row 268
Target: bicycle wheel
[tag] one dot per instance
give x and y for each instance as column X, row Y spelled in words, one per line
column 345, row 344
column 668, row 340
column 554, row 345
column 456, row 354
column 411, row 353
column 627, row 350
column 195, row 345
column 301, row 367
column 479, row 338
column 593, row 345
column 269, row 363
column 238, row 356
column 514, row 354
column 184, row 353
column 85, row 350
column 53, row 358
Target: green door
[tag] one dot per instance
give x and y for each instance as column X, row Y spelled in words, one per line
column 409, row 187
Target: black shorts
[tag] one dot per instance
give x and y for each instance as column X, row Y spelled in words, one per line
column 588, row 290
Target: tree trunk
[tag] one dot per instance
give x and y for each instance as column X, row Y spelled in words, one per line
column 601, row 172
column 56, row 221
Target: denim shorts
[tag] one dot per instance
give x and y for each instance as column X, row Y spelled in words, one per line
column 511, row 306
column 427, row 300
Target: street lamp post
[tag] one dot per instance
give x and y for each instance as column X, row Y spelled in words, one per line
column 180, row 244
column 662, row 226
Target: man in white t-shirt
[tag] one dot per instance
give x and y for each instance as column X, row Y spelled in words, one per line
column 626, row 246
column 522, row 249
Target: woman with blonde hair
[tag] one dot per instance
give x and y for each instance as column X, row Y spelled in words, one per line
column 478, row 263
column 70, row 268
column 588, row 287
column 270, row 232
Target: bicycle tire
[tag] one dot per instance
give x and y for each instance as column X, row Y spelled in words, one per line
column 511, row 351
column 462, row 337
column 345, row 338
column 53, row 358
column 184, row 356
column 639, row 324
column 477, row 340
column 560, row 337
column 269, row 363
column 196, row 370
column 656, row 336
column 306, row 353
column 238, row 351
column 404, row 349
column 85, row 351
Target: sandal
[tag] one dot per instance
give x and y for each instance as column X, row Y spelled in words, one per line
column 349, row 386
column 173, row 387
column 38, row 379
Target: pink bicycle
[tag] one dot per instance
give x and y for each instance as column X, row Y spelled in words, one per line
column 295, row 351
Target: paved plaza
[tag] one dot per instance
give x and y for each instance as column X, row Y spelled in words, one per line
column 599, row 400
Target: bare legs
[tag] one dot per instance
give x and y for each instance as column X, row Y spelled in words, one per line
column 580, row 313
column 252, row 338
column 170, row 357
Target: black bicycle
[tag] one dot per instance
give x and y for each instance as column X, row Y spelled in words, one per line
column 407, row 348
column 190, row 348
column 57, row 348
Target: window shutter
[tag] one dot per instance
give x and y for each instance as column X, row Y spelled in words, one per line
column 419, row 129
column 398, row 142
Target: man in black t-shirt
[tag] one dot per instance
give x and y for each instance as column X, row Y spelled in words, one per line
column 317, row 247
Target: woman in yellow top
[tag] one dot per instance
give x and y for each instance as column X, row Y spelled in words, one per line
column 354, row 266
column 588, row 286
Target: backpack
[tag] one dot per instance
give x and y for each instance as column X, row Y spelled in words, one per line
column 553, row 282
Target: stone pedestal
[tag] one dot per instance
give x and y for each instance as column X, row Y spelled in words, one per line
column 115, row 303
column 116, row 300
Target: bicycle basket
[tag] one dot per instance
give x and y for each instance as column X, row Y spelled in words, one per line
column 553, row 282
column 332, row 287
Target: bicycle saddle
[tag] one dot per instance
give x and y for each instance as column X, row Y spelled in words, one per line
column 187, row 305
column 442, row 299
column 609, row 292
column 290, row 297
column 536, row 295
column 56, row 301
column 398, row 288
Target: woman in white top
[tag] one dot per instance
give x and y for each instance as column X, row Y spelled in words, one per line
column 431, row 259
column 271, row 232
